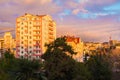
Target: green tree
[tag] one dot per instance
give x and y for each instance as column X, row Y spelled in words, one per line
column 99, row 66
column 59, row 64
column 20, row 69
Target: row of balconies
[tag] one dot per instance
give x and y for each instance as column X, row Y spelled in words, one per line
column 50, row 33
column 51, row 28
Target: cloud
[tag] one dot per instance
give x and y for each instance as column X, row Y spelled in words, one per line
column 90, row 30
column 89, row 19
column 77, row 11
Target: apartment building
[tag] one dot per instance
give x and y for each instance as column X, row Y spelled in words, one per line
column 7, row 42
column 77, row 45
column 32, row 33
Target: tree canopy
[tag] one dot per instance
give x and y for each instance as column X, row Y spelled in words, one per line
column 99, row 66
column 60, row 65
column 20, row 69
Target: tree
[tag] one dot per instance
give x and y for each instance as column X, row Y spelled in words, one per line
column 20, row 69
column 99, row 66
column 60, row 65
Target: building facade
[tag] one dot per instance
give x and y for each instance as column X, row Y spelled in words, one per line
column 1, row 46
column 7, row 43
column 32, row 33
column 8, row 40
column 77, row 46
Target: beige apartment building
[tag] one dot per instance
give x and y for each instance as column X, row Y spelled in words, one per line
column 7, row 43
column 77, row 45
column 32, row 33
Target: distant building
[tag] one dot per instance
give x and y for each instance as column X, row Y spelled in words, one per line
column 1, row 46
column 91, row 46
column 32, row 33
column 7, row 43
column 77, row 45
column 113, row 42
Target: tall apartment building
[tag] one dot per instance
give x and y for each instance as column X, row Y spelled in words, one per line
column 32, row 33
column 77, row 45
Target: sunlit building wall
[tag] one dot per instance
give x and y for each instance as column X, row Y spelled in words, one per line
column 8, row 42
column 77, row 46
column 1, row 46
column 32, row 33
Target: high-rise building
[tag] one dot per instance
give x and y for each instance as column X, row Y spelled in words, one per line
column 77, row 46
column 32, row 33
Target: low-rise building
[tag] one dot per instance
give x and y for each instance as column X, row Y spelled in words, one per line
column 77, row 45
column 7, row 43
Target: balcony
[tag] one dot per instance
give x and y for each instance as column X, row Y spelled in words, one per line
column 50, row 23
column 36, row 30
column 50, row 33
column 51, row 28
column 37, row 35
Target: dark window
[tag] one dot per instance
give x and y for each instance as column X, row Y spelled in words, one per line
column 30, row 42
column 30, row 51
column 21, row 57
column 22, row 52
column 30, row 37
column 22, row 47
column 22, row 42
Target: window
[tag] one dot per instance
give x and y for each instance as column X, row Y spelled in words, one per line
column 22, row 28
column 30, row 22
column 22, row 23
column 30, row 37
column 22, row 52
column 30, row 51
column 36, row 51
column 22, row 42
column 30, row 42
column 21, row 37
column 38, row 32
column 22, row 47
column 21, row 57
column 30, row 32
column 34, row 18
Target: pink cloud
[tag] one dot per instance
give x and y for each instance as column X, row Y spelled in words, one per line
column 90, row 30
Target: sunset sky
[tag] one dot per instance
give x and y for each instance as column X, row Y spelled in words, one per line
column 92, row 20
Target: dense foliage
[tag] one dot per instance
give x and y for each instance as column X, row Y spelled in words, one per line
column 20, row 69
column 58, row 65
column 99, row 66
